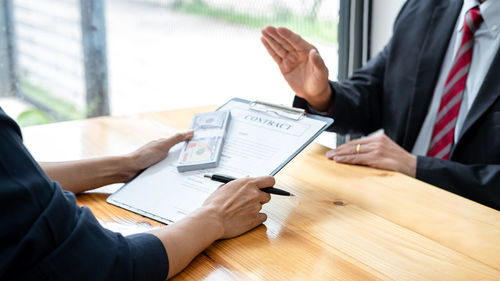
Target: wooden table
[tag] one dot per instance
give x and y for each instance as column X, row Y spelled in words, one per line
column 346, row 222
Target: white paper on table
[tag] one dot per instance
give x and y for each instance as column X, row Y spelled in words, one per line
column 257, row 144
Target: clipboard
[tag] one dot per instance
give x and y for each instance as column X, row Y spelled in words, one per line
column 288, row 112
column 149, row 195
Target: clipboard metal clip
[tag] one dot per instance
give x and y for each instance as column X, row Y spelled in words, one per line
column 279, row 110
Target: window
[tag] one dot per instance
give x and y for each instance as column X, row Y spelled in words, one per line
column 151, row 55
column 176, row 54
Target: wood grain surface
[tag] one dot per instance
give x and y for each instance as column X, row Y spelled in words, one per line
column 346, row 222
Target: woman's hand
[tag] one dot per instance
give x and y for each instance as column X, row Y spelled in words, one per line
column 152, row 153
column 236, row 205
column 82, row 175
column 231, row 210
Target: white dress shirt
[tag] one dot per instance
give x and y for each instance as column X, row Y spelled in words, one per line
column 486, row 45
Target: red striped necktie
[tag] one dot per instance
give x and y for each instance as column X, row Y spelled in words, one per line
column 446, row 119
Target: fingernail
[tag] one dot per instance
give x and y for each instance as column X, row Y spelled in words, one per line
column 330, row 154
column 337, row 158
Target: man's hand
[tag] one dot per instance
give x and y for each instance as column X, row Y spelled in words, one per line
column 377, row 151
column 300, row 64
column 236, row 205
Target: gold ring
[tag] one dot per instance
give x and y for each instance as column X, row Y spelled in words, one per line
column 358, row 148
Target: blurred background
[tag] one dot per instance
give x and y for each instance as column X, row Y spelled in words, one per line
column 72, row 59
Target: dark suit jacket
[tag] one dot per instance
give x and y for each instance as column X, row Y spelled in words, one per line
column 393, row 91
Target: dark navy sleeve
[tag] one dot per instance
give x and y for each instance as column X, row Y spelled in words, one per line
column 44, row 235
column 478, row 182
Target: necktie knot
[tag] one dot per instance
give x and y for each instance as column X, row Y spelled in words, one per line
column 473, row 20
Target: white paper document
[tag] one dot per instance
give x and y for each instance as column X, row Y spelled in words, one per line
column 257, row 144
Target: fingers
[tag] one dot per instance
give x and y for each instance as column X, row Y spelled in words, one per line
column 271, row 52
column 239, row 206
column 264, row 197
column 355, row 159
column 266, row 181
column 179, row 137
column 293, row 39
column 365, row 145
column 252, row 186
column 262, row 218
column 284, row 44
column 271, row 32
column 263, row 182
column 257, row 184
column 274, row 45
column 361, row 151
column 377, row 151
column 254, row 222
column 351, row 148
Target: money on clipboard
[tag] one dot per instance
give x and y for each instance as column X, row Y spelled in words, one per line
column 203, row 151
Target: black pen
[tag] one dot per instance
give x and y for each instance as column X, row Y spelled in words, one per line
column 271, row 190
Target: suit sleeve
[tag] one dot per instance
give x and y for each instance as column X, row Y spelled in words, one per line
column 44, row 235
column 356, row 104
column 477, row 182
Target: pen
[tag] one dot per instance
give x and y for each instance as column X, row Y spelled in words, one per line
column 271, row 190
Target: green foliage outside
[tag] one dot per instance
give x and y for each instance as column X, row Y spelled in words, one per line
column 57, row 109
column 309, row 26
column 32, row 117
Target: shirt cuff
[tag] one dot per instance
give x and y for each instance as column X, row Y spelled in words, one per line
column 302, row 103
column 149, row 256
column 314, row 111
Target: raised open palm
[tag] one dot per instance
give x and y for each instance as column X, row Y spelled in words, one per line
column 300, row 63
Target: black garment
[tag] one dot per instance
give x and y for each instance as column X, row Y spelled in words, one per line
column 44, row 235
column 394, row 90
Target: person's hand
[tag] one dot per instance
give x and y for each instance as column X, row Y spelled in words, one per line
column 300, row 64
column 377, row 151
column 82, row 175
column 236, row 205
column 153, row 152
column 233, row 209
